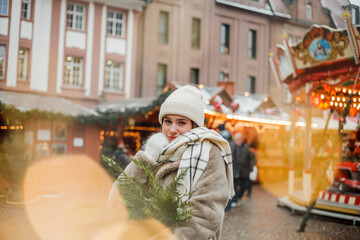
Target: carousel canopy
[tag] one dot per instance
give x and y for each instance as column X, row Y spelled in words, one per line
column 327, row 61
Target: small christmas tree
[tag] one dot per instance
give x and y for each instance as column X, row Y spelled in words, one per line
column 14, row 161
column 166, row 205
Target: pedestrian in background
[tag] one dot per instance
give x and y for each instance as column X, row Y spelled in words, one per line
column 185, row 144
column 253, row 171
column 242, row 165
column 225, row 133
column 120, row 155
column 228, row 137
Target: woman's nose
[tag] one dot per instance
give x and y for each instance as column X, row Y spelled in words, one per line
column 173, row 129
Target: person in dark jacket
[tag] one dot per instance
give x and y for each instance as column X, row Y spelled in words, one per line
column 242, row 166
column 120, row 156
column 224, row 133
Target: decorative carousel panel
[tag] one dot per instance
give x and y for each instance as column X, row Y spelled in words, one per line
column 322, row 45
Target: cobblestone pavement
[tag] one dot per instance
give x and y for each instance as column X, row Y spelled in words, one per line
column 14, row 224
column 259, row 217
column 256, row 218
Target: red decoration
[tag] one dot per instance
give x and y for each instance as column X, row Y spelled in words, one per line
column 234, row 106
column 353, row 111
column 217, row 102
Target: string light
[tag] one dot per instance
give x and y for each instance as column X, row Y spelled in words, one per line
column 137, row 137
column 140, row 128
column 12, row 127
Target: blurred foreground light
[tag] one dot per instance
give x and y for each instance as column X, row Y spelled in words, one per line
column 71, row 194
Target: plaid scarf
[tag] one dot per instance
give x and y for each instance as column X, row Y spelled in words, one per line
column 193, row 148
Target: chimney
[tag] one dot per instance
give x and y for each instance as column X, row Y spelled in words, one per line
column 228, row 86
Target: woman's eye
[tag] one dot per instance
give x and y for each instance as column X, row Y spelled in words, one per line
column 182, row 123
column 167, row 121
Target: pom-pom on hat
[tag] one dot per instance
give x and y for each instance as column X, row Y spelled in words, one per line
column 186, row 101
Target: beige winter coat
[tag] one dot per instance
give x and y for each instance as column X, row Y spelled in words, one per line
column 209, row 196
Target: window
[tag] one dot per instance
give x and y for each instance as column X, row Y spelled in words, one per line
column 224, row 77
column 76, row 16
column 163, row 27
column 116, row 23
column 4, row 7
column 225, row 39
column 26, row 9
column 114, row 73
column 73, row 71
column 59, row 131
column 251, row 84
column 252, row 44
column 308, row 11
column 58, row 149
column 355, row 15
column 195, row 36
column 23, row 64
column 194, row 75
column 161, row 78
column 2, row 60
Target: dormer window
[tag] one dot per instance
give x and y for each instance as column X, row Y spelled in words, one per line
column 308, row 11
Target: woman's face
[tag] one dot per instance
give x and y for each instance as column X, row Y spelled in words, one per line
column 175, row 125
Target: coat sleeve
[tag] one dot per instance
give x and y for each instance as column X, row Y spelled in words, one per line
column 132, row 171
column 209, row 197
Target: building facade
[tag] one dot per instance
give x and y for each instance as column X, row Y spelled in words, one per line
column 206, row 42
column 80, row 50
column 61, row 56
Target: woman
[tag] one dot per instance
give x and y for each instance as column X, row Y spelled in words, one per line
column 185, row 144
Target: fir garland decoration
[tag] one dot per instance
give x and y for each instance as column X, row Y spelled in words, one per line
column 166, row 205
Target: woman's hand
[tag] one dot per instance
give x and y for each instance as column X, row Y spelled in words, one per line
column 155, row 145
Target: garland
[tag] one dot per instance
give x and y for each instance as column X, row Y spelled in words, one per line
column 12, row 115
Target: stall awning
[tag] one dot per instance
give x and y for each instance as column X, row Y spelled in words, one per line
column 122, row 105
column 27, row 101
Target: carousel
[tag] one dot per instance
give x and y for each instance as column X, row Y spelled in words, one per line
column 322, row 74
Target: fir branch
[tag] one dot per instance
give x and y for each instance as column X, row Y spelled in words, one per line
column 152, row 200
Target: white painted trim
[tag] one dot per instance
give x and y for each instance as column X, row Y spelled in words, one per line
column 39, row 75
column 27, row 28
column 60, row 62
column 13, row 44
column 75, row 39
column 102, row 51
column 89, row 49
column 129, row 53
column 4, row 22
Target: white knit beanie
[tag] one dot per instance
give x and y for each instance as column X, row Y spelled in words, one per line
column 186, row 101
